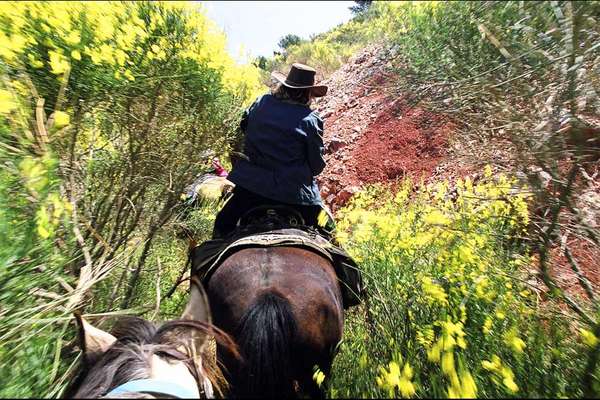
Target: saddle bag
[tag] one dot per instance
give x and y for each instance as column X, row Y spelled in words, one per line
column 349, row 277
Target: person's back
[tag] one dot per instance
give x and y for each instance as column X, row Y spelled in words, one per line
column 284, row 147
column 282, row 155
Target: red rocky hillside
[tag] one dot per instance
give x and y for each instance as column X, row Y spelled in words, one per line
column 371, row 132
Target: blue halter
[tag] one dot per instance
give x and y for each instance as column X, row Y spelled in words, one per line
column 155, row 386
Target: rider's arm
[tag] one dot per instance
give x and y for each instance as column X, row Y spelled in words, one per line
column 237, row 146
column 314, row 134
column 244, row 122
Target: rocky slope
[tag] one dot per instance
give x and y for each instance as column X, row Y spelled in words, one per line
column 372, row 134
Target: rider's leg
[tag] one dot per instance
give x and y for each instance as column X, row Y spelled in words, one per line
column 238, row 204
column 226, row 218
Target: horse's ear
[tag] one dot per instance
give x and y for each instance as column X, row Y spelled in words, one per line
column 197, row 308
column 93, row 341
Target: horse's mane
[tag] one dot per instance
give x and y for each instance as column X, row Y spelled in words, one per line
column 130, row 357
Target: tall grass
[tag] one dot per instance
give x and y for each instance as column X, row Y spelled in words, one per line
column 35, row 290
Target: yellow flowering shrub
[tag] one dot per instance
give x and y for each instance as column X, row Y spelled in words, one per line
column 97, row 99
column 318, row 377
column 588, row 338
column 120, row 39
column 397, row 380
column 61, row 119
column 444, row 269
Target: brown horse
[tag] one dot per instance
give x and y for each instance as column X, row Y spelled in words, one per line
column 283, row 307
column 142, row 360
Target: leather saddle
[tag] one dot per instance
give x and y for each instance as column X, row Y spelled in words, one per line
column 271, row 217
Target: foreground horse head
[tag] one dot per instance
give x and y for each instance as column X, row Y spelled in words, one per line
column 142, row 360
column 283, row 306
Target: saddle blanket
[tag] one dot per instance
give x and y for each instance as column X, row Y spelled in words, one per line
column 207, row 257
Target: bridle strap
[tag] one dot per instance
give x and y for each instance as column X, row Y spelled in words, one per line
column 155, row 386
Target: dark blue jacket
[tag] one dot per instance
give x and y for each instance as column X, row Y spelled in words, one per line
column 284, row 145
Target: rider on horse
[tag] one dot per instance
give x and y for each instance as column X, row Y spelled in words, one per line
column 283, row 152
column 276, row 279
column 282, row 155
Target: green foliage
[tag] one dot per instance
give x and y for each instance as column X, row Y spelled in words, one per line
column 105, row 110
column 328, row 51
column 361, row 7
column 325, row 57
column 261, row 62
column 450, row 313
column 34, row 221
column 168, row 263
column 289, row 40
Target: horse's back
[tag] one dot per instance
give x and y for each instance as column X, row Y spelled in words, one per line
column 305, row 279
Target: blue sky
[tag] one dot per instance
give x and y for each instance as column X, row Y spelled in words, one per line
column 258, row 25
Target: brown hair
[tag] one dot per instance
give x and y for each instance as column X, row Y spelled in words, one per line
column 299, row 96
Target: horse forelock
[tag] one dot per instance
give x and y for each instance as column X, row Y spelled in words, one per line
column 130, row 358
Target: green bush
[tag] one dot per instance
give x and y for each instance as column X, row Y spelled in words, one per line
column 105, row 112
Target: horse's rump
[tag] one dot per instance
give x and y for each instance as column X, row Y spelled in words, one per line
column 283, row 306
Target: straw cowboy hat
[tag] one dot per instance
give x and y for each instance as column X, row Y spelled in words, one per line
column 301, row 77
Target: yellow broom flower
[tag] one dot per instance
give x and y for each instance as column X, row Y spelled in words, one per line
column 588, row 338
column 7, row 104
column 61, row 119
